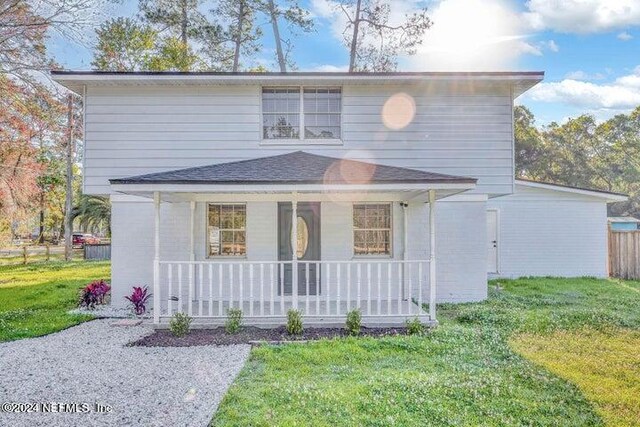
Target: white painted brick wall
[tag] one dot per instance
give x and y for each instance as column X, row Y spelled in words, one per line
column 460, row 247
column 549, row 233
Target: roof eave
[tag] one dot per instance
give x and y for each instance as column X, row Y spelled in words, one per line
column 75, row 80
column 608, row 196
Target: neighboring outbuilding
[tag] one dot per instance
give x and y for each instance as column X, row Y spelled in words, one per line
column 623, row 223
column 544, row 229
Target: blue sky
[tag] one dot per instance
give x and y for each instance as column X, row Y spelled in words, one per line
column 587, row 48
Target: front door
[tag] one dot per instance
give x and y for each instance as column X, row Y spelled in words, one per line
column 492, row 241
column 308, row 245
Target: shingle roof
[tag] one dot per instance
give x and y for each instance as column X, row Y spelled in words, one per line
column 295, row 168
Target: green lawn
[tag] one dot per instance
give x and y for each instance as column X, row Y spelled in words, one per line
column 484, row 366
column 538, row 352
column 34, row 299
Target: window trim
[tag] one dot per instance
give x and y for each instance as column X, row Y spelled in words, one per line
column 206, row 228
column 301, row 134
column 390, row 255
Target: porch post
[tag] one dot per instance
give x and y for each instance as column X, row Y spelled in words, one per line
column 432, row 255
column 405, row 237
column 192, row 257
column 294, row 256
column 156, row 259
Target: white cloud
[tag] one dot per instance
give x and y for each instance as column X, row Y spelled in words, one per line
column 552, row 46
column 473, row 35
column 622, row 94
column 582, row 75
column 582, row 16
column 328, row 68
column 624, row 36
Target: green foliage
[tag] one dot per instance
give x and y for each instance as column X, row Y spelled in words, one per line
column 124, row 45
column 35, row 299
column 180, row 324
column 461, row 371
column 233, row 323
column 354, row 322
column 93, row 213
column 581, row 152
column 173, row 55
column 415, row 327
column 294, row 322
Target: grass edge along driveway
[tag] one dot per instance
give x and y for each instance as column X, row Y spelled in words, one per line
column 466, row 372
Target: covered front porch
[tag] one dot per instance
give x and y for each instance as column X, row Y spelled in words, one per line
column 306, row 226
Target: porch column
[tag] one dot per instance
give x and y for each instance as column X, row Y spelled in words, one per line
column 156, row 258
column 294, row 256
column 432, row 255
column 192, row 256
column 405, row 238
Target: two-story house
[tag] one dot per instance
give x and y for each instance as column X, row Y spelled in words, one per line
column 323, row 192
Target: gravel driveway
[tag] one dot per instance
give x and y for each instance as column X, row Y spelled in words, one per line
column 88, row 364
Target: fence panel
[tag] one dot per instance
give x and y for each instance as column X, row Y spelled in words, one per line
column 624, row 254
column 99, row 251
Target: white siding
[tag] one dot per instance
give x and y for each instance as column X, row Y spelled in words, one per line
column 551, row 233
column 138, row 130
column 461, row 255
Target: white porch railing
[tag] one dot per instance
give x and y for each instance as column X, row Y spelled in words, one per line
column 267, row 290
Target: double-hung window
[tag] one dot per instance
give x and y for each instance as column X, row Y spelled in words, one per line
column 372, row 229
column 226, row 230
column 301, row 113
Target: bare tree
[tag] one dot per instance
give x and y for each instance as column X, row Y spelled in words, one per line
column 374, row 42
column 24, row 26
column 183, row 21
column 242, row 32
column 296, row 18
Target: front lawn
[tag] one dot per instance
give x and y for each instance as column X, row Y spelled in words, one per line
column 35, row 298
column 485, row 365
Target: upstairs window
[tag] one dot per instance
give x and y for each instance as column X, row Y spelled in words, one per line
column 281, row 113
column 301, row 113
column 322, row 113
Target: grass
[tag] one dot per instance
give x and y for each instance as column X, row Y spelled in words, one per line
column 604, row 366
column 35, row 297
column 485, row 365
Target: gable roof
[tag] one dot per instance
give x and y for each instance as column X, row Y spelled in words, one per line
column 295, row 168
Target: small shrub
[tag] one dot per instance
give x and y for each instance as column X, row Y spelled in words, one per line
column 294, row 322
column 234, row 321
column 354, row 322
column 94, row 294
column 415, row 327
column 139, row 298
column 180, row 324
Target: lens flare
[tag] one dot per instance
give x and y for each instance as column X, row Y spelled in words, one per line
column 350, row 173
column 398, row 111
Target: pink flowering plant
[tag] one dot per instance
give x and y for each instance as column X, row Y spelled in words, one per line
column 94, row 294
column 139, row 298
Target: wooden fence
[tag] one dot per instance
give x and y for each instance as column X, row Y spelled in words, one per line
column 624, row 254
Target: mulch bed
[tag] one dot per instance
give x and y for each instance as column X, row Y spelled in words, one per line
column 253, row 335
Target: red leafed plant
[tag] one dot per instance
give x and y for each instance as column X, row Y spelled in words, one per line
column 139, row 298
column 94, row 293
